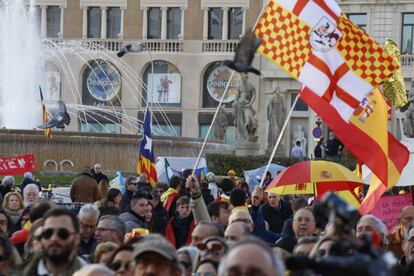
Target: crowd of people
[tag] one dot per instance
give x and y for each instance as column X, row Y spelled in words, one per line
column 192, row 227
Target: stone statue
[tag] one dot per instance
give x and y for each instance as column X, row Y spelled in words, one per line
column 409, row 115
column 245, row 121
column 299, row 135
column 220, row 125
column 276, row 116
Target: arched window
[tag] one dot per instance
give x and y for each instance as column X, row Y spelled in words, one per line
column 101, row 88
column 163, row 85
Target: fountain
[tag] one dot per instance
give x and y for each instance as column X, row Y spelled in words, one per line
column 20, row 61
column 26, row 61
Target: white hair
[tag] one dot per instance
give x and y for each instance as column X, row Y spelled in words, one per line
column 94, row 269
column 89, row 210
column 379, row 225
column 30, row 186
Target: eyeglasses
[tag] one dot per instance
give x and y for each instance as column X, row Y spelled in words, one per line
column 247, row 221
column 118, row 265
column 237, row 271
column 62, row 233
column 204, row 274
column 133, row 183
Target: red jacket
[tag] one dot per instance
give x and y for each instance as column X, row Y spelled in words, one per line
column 169, row 233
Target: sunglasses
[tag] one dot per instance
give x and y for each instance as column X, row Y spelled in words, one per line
column 62, row 233
column 186, row 265
column 118, row 265
column 215, row 246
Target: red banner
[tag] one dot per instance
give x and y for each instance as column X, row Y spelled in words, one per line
column 13, row 165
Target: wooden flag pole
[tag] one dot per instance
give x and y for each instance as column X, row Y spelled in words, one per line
column 279, row 138
column 212, row 123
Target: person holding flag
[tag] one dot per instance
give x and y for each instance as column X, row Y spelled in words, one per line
column 146, row 160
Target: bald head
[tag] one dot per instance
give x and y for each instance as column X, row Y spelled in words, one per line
column 304, row 223
column 236, row 231
column 406, row 217
column 241, row 216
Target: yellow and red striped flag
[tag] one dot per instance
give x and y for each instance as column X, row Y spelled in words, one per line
column 314, row 40
column 48, row 131
column 146, row 160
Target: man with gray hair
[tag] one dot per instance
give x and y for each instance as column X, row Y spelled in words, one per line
column 251, row 256
column 31, row 195
column 110, row 228
column 88, row 218
column 94, row 270
column 368, row 224
column 7, row 185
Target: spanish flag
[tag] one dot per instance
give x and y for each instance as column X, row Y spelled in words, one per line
column 366, row 136
column 48, row 131
column 146, row 160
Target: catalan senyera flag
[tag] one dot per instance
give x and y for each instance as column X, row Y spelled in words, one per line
column 146, row 160
column 318, row 45
column 366, row 136
column 48, row 131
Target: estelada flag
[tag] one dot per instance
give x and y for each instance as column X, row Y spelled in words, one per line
column 366, row 136
column 318, row 45
column 146, row 160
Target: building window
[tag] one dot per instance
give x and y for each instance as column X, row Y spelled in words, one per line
column 163, row 85
column 300, row 104
column 53, row 21
column 173, row 23
column 154, row 23
column 215, row 23
column 99, row 127
column 113, row 22
column 94, row 22
column 235, row 23
column 407, row 33
column 359, row 19
column 166, row 130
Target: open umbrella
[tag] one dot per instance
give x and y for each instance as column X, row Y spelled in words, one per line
column 314, row 177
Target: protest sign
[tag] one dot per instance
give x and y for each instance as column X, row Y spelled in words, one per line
column 388, row 208
column 13, row 165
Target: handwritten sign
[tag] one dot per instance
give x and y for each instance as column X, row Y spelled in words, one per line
column 388, row 208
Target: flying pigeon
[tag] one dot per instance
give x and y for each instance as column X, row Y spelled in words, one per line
column 133, row 47
column 59, row 119
column 245, row 54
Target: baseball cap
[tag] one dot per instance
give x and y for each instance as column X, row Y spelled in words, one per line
column 155, row 244
column 233, row 172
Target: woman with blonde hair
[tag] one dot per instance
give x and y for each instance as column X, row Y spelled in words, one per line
column 103, row 252
column 13, row 205
column 103, row 187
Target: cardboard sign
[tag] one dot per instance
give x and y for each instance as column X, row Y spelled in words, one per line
column 14, row 165
column 388, row 208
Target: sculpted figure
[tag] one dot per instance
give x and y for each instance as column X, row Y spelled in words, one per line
column 276, row 116
column 220, row 125
column 245, row 121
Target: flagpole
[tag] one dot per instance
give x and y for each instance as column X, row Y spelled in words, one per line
column 278, row 140
column 212, row 123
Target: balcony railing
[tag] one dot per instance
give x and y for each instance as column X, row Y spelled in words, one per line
column 407, row 61
column 219, row 45
column 156, row 46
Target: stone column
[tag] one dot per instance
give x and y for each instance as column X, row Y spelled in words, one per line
column 182, row 24
column 225, row 30
column 163, row 23
column 62, row 9
column 205, row 24
column 145, row 23
column 43, row 21
column 244, row 22
column 121, row 29
column 103, row 23
column 85, row 23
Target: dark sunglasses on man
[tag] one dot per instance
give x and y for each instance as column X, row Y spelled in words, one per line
column 119, row 264
column 62, row 233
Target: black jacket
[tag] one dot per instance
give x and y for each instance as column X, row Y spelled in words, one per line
column 160, row 218
column 275, row 217
column 125, row 204
column 98, row 176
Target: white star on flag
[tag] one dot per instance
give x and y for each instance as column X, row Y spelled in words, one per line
column 148, row 144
